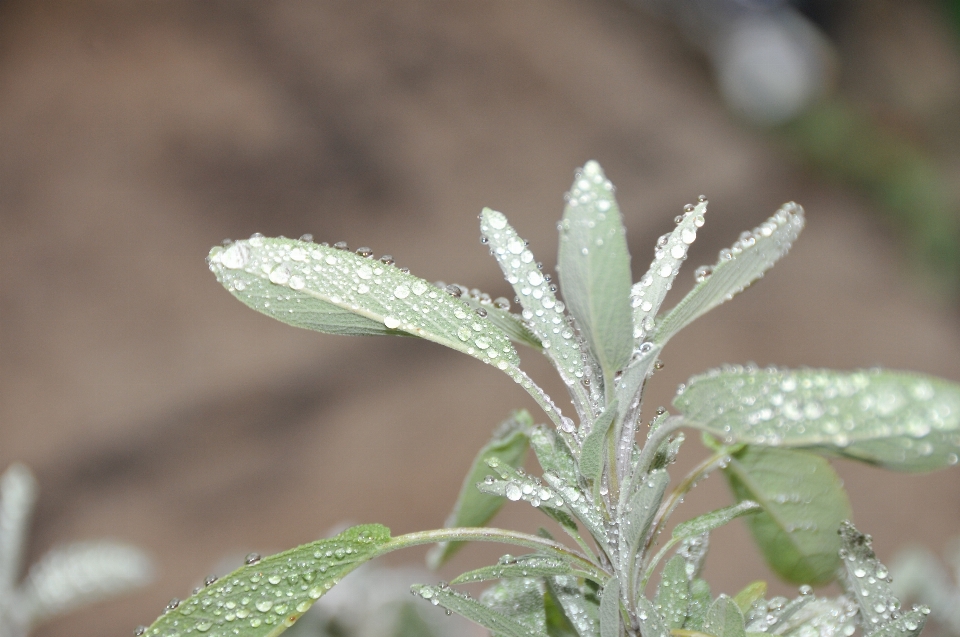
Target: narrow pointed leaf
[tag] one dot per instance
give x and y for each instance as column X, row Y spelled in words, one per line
column 673, row 593
column 595, row 445
column 610, row 609
column 80, row 573
column 745, row 262
column 553, row 454
column 594, row 269
column 524, row 566
column 18, row 493
column 580, row 506
column 640, row 511
column 558, row 624
column 909, row 624
column 473, row 508
column 267, row 597
column 521, row 600
column 699, row 605
column 512, row 324
column 724, row 619
column 545, row 313
column 694, row 552
column 652, row 623
column 648, row 293
column 579, row 602
column 898, row 420
column 464, row 605
column 328, row 290
column 803, row 505
column 714, row 519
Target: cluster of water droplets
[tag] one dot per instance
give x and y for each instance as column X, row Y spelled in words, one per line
column 648, row 293
column 270, row 593
column 544, row 314
column 303, row 273
column 508, row 566
column 808, row 407
column 515, row 484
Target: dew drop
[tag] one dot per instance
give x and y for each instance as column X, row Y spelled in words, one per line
column 297, row 283
column 391, row 322
column 364, row 272
column 513, row 492
column 401, row 292
column 280, row 275
column 235, row 257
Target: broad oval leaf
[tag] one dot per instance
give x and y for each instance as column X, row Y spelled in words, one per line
column 473, row 508
column 652, row 623
column 898, row 420
column 265, row 598
column 714, row 519
column 328, row 290
column 724, row 619
column 673, row 593
column 743, row 263
column 647, row 294
column 594, row 268
column 803, row 505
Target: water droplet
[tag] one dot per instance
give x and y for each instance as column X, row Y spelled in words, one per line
column 513, row 492
column 391, row 322
column 340, row 245
column 235, row 257
column 463, row 333
column 665, row 270
column 365, row 272
column 297, row 282
column 419, row 287
column 702, row 273
column 331, row 260
column 497, row 221
column 173, row 603
column 280, row 275
column 264, row 605
column 386, row 259
column 209, row 579
column 139, row 630
column 688, row 236
column 365, row 252
column 401, row 292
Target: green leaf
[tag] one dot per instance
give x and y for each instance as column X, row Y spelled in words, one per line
column 651, row 621
column 533, row 565
column 714, row 519
column 594, row 445
column 648, row 293
column 610, row 609
column 895, row 419
column 512, row 325
column 521, row 600
column 553, row 454
column 558, row 624
column 540, row 306
column 745, row 262
column 699, row 605
column 724, row 619
column 673, row 593
column 410, row 624
column 594, row 268
column 265, row 598
column 492, row 619
column 751, row 593
column 473, row 508
column 640, row 510
column 803, row 505
column 868, row 581
column 579, row 603
column 580, row 505
column 821, row 616
column 694, row 552
column 338, row 292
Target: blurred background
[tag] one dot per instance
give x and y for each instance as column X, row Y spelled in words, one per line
column 156, row 410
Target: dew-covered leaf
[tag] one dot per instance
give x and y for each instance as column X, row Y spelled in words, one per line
column 545, row 313
column 647, row 294
column 822, row 617
column 492, row 619
column 264, row 598
column 641, row 508
column 520, row 600
column 652, row 623
column 553, row 454
column 714, row 519
column 868, row 582
column 595, row 445
column 898, row 420
column 803, row 505
column 739, row 266
column 578, row 504
column 579, row 602
column 750, row 594
column 497, row 312
column 724, row 619
column 557, row 624
column 610, row 609
column 673, row 593
column 533, row 565
column 328, row 290
column 473, row 508
column 80, row 573
column 594, row 268
column 700, row 600
column 693, row 550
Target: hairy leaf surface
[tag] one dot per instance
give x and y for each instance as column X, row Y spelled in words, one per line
column 898, row 420
column 673, row 593
column 266, row 598
column 746, row 261
column 525, row 566
column 594, row 445
column 579, row 603
column 328, row 290
column 492, row 619
column 610, row 609
column 803, row 505
column 473, row 508
column 594, row 268
column 714, row 519
column 521, row 600
column 724, row 619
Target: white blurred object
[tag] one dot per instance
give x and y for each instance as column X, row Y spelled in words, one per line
column 67, row 576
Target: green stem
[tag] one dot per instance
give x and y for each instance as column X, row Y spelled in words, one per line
column 503, row 536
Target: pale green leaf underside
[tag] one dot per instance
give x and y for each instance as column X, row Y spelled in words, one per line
column 647, row 294
column 595, row 444
column 610, row 609
column 264, row 599
column 895, row 419
column 541, row 308
column 533, row 565
column 803, row 505
column 520, row 600
column 512, row 325
column 746, row 261
column 328, row 290
column 652, row 624
column 473, row 508
column 594, row 268
column 714, row 519
column 475, row 611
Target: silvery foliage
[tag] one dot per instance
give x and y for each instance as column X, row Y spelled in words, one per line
column 769, row 431
column 66, row 577
column 920, row 576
